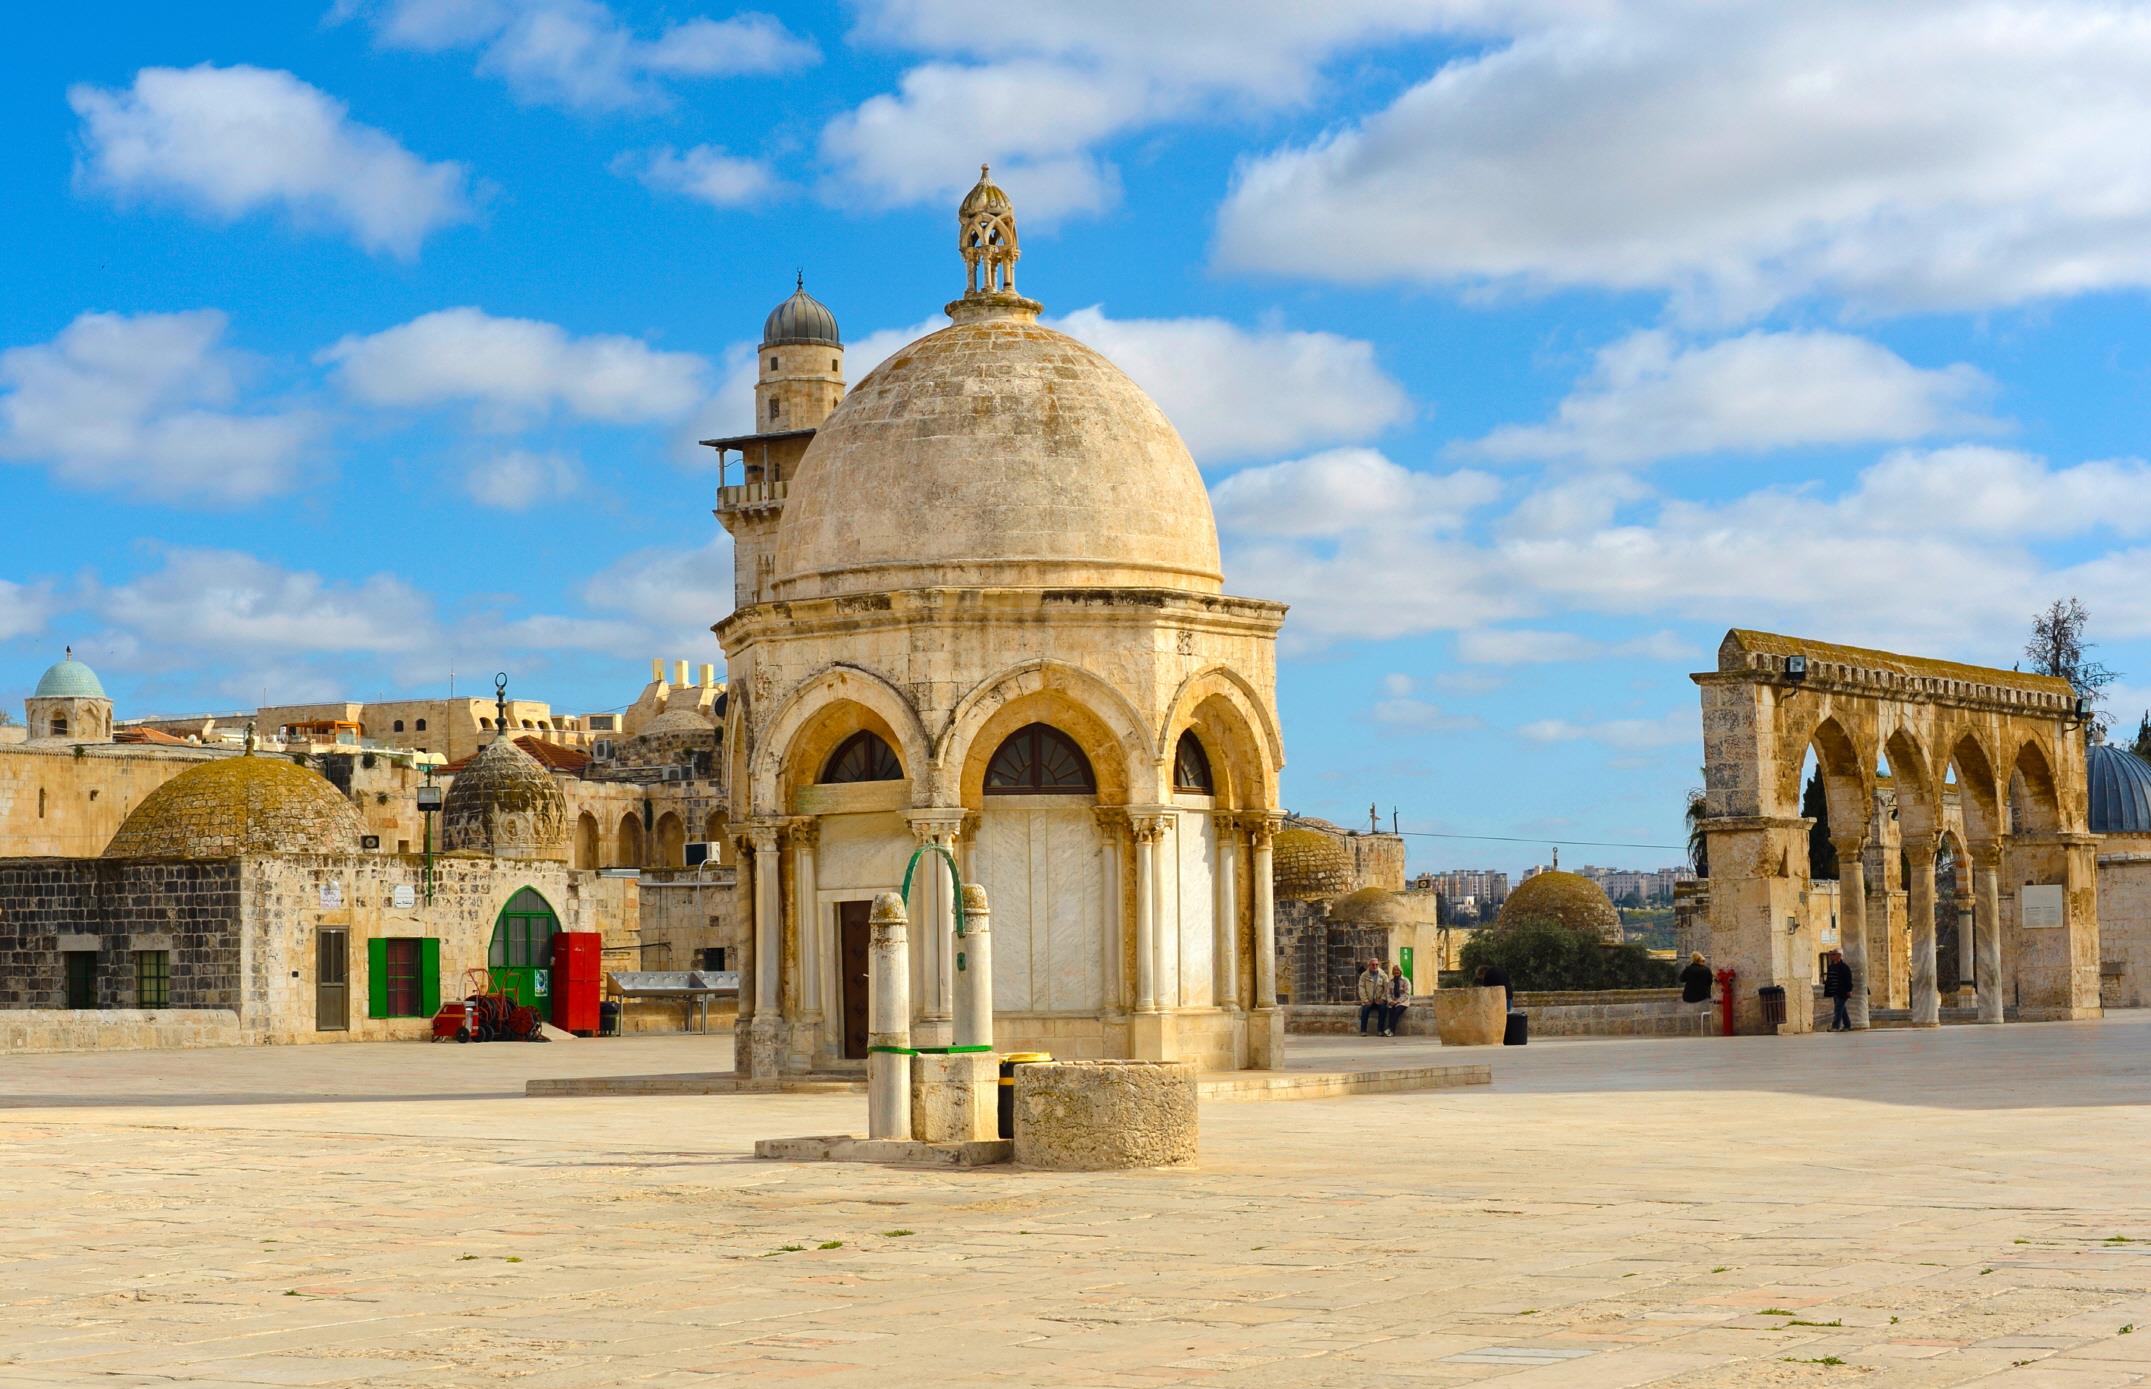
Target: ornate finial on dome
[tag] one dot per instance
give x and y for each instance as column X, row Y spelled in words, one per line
column 986, row 238
column 249, row 739
column 799, row 281
column 1557, row 858
column 500, row 706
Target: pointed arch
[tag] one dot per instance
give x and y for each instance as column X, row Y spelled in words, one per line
column 1095, row 714
column 2035, row 805
column 1237, row 729
column 822, row 711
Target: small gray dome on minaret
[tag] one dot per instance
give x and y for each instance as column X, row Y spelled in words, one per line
column 801, row 318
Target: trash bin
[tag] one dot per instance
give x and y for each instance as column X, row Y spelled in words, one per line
column 1007, row 1126
column 1773, row 997
column 609, row 1018
column 1518, row 1030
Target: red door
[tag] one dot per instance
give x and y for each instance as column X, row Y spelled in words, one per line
column 578, row 979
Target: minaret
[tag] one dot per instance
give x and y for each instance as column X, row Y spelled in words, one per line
column 801, row 375
column 799, row 380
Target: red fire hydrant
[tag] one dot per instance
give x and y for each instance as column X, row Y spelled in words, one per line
column 1725, row 1000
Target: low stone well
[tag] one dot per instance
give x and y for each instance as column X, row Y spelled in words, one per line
column 1084, row 1116
column 1471, row 1017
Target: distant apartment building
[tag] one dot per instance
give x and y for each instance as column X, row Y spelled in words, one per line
column 1650, row 887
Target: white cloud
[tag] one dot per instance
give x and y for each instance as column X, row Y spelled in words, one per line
column 1234, row 392
column 1034, row 95
column 1343, row 490
column 1400, row 708
column 1630, row 735
column 512, row 370
column 25, row 608
column 1925, row 551
column 580, row 55
column 215, row 603
column 519, row 479
column 1647, row 397
column 1513, row 646
column 226, row 142
column 141, row 404
column 1920, row 155
column 705, row 173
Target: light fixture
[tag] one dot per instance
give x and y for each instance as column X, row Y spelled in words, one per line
column 1796, row 667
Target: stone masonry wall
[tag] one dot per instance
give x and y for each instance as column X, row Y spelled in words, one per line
column 48, row 906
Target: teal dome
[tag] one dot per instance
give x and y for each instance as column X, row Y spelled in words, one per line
column 70, row 679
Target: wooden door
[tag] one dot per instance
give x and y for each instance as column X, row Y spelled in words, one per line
column 332, row 979
column 852, row 935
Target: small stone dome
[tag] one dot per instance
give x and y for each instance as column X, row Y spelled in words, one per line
column 504, row 804
column 801, row 318
column 2120, row 790
column 1307, row 865
column 252, row 806
column 1371, row 906
column 1567, row 899
column 677, row 719
column 69, row 679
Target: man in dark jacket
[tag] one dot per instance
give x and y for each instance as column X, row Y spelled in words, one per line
column 1495, row 977
column 1837, row 985
column 1695, row 980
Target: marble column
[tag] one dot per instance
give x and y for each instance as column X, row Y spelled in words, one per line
column 1264, row 830
column 1226, row 828
column 888, row 1036
column 1852, row 922
column 934, row 892
column 804, row 834
column 744, row 898
column 1919, row 906
column 1966, row 974
column 1987, row 927
column 768, row 920
column 1147, row 833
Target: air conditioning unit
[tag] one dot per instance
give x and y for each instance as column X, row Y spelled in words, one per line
column 706, row 851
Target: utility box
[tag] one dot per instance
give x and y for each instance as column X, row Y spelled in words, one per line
column 578, row 981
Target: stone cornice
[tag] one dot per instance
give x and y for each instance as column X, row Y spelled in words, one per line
column 971, row 607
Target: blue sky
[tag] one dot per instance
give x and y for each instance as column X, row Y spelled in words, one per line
column 1526, row 347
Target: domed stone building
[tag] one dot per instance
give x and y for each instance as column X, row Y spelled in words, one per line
column 980, row 607
column 1569, row 899
column 503, row 804
column 69, row 704
column 239, row 807
column 2119, row 783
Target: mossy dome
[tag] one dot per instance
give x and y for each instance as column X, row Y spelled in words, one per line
column 251, row 806
column 1371, row 906
column 1307, row 865
column 1566, row 899
column 506, row 805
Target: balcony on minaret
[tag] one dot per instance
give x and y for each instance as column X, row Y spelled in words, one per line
column 755, row 482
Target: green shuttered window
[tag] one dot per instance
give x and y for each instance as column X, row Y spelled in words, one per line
column 403, row 977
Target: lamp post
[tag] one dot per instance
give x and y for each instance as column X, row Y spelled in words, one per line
column 429, row 800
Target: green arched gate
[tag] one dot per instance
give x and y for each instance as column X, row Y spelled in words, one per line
column 521, row 958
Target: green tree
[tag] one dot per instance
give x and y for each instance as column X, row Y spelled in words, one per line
column 1542, row 954
column 1698, row 842
column 2057, row 647
column 1821, row 853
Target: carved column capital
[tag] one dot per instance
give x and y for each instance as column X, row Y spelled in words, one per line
column 1919, row 849
column 941, row 824
column 764, row 835
column 803, row 831
column 1262, row 827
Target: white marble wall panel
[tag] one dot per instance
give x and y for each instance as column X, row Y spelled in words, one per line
column 1001, row 858
column 1042, row 870
column 1075, row 872
column 862, row 853
column 1197, row 910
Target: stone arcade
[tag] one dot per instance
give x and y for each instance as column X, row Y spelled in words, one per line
column 979, row 605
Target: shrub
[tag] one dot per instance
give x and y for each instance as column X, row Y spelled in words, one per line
column 1542, row 954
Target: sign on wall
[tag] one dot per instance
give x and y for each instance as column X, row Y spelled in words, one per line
column 403, row 896
column 332, row 894
column 2041, row 904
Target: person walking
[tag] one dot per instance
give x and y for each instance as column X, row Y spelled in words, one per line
column 1373, row 996
column 1837, row 985
column 1400, row 998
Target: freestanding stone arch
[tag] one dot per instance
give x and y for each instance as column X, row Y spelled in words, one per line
column 1772, row 697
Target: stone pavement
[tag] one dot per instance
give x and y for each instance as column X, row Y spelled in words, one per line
column 1970, row 1205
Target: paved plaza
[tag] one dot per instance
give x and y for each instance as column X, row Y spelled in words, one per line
column 1903, row 1208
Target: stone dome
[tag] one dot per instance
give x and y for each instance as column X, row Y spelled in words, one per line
column 801, row 318
column 253, row 806
column 996, row 452
column 69, row 679
column 1567, row 899
column 677, row 719
column 1307, row 865
column 504, row 804
column 2120, row 790
column 1371, row 906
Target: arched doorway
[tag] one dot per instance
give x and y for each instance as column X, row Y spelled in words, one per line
column 671, row 842
column 586, row 840
column 520, row 959
column 627, row 847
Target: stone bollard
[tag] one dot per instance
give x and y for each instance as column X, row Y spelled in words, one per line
column 888, row 1024
column 974, row 972
column 1471, row 1017
column 1085, row 1116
